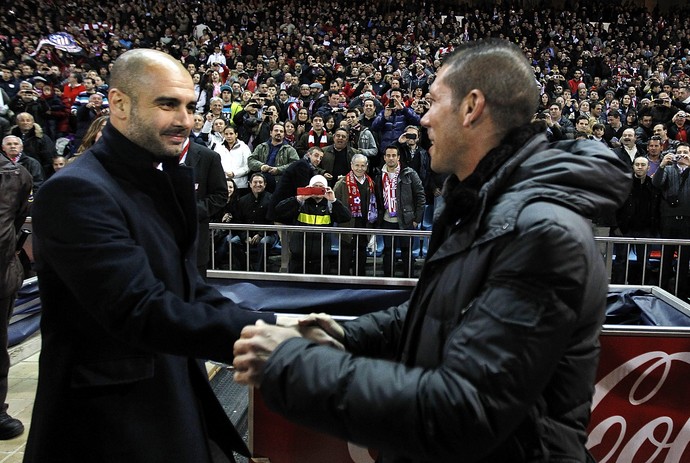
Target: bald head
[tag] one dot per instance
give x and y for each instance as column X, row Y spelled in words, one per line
column 140, row 69
column 25, row 122
column 152, row 101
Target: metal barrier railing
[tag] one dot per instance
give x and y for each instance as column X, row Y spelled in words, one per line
column 635, row 261
column 648, row 261
column 264, row 260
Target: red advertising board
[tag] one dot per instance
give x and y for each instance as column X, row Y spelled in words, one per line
column 640, row 412
column 274, row 439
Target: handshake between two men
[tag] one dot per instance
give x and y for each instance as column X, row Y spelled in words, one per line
column 257, row 342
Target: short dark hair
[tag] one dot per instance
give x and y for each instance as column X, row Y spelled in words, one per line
column 392, row 147
column 474, row 65
column 257, row 174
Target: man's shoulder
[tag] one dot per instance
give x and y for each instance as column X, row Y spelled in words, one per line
column 86, row 172
column 246, row 199
column 261, row 148
column 8, row 166
column 297, row 166
column 29, row 162
column 409, row 172
column 202, row 151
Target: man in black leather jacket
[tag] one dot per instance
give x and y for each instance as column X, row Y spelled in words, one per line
column 494, row 356
column 15, row 188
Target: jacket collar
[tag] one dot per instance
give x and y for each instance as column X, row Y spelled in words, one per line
column 172, row 190
column 467, row 228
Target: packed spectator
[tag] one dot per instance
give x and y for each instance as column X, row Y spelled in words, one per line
column 313, row 70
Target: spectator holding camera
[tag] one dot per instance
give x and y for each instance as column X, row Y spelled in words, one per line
column 662, row 111
column 679, row 129
column 671, row 180
column 27, row 101
column 316, row 205
column 334, row 108
column 411, row 154
column 391, row 122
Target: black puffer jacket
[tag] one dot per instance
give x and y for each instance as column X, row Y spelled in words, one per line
column 496, row 351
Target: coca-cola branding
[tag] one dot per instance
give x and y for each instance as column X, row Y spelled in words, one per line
column 640, row 410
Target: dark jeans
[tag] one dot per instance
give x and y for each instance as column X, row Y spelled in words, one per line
column 389, row 246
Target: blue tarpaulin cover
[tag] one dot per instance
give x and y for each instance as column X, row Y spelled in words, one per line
column 638, row 307
column 27, row 314
column 304, row 298
column 624, row 307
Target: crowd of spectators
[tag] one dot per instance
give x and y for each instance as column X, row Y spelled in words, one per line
column 605, row 69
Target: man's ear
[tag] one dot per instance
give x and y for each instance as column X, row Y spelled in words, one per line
column 472, row 107
column 119, row 103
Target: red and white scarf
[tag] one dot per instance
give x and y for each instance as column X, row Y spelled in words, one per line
column 390, row 190
column 355, row 199
column 322, row 142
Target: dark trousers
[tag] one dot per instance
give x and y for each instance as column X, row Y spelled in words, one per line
column 6, row 308
column 675, row 227
column 311, row 265
column 389, row 246
column 353, row 254
column 622, row 265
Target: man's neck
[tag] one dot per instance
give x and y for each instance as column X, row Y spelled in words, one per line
column 274, row 143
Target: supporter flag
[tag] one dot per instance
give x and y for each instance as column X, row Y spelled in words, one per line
column 60, row 40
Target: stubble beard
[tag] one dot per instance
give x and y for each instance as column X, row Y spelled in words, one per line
column 141, row 134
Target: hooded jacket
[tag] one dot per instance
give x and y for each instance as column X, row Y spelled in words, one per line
column 495, row 352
